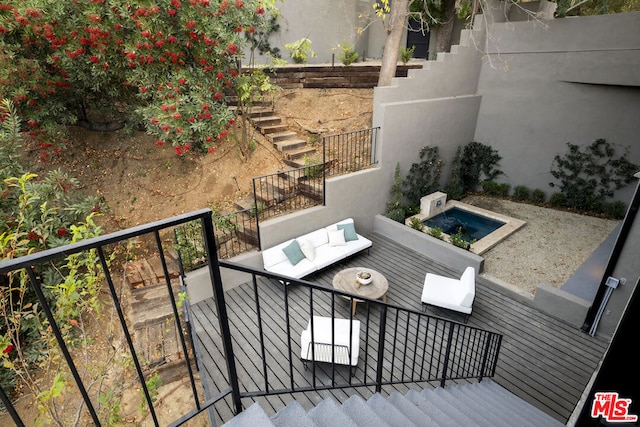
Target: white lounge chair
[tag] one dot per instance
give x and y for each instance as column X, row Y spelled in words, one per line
column 452, row 294
column 345, row 353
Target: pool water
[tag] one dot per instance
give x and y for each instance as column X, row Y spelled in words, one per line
column 474, row 226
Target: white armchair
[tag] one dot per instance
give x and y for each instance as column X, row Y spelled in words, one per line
column 452, row 294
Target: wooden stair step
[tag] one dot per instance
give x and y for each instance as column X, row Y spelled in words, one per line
column 269, row 129
column 299, row 153
column 280, row 136
column 291, row 145
column 266, row 121
column 260, row 111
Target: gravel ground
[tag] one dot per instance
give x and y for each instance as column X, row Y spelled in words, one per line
column 548, row 249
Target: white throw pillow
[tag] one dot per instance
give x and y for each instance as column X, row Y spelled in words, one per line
column 336, row 238
column 307, row 249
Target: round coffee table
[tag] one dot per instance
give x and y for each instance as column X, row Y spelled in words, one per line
column 346, row 281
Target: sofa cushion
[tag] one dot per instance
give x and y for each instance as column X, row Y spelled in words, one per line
column 317, row 238
column 307, row 249
column 336, row 238
column 349, row 231
column 293, row 252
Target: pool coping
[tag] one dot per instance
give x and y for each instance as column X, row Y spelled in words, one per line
column 511, row 225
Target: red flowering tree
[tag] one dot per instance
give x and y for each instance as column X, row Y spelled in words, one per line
column 166, row 65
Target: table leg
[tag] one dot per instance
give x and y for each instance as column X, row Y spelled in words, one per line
column 353, row 308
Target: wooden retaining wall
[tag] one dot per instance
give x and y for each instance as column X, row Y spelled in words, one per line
column 338, row 76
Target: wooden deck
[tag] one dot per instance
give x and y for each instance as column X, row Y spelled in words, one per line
column 543, row 360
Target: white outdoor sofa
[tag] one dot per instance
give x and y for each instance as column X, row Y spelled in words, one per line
column 345, row 351
column 314, row 251
column 452, row 294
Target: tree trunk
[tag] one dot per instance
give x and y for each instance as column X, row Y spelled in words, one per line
column 395, row 28
column 442, row 33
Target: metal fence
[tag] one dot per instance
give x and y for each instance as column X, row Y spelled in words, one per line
column 350, row 152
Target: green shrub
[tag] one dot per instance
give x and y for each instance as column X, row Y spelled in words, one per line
column 615, row 209
column 538, row 197
column 416, row 224
column 394, row 209
column 496, row 189
column 589, row 176
column 436, row 232
column 406, row 53
column 347, row 54
column 478, row 160
column 458, row 239
column 300, row 50
column 558, row 200
column 397, row 214
column 455, row 186
column 521, row 193
column 423, row 177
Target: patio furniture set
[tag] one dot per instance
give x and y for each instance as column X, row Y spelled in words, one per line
column 335, row 340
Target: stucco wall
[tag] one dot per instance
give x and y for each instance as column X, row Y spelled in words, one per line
column 569, row 80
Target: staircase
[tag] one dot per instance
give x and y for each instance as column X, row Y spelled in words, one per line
column 477, row 404
column 294, row 149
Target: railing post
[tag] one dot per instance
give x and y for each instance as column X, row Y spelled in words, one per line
column 381, row 338
column 447, row 353
column 324, row 171
column 223, row 318
column 255, row 211
column 10, row 408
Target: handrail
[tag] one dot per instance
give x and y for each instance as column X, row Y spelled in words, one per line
column 421, row 347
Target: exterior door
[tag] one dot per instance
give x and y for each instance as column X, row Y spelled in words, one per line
column 418, row 37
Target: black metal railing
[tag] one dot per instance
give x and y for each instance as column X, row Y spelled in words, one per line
column 235, row 233
column 398, row 345
column 288, row 191
column 350, row 152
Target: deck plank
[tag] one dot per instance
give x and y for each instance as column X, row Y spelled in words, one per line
column 543, row 360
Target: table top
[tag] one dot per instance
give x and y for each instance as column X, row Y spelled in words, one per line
column 345, row 280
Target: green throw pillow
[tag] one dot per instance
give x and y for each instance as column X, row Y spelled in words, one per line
column 293, row 252
column 349, row 231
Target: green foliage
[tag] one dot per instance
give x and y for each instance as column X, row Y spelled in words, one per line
column 436, row 232
column 190, row 245
column 458, row 239
column 521, row 193
column 406, row 53
column 153, row 384
column 558, row 200
column 347, row 54
column 300, row 50
column 394, row 209
column 312, row 169
column 423, row 177
column 590, row 175
column 479, row 163
column 597, row 7
column 432, row 13
column 455, row 186
column 416, row 224
column 615, row 209
column 163, row 64
column 496, row 189
column 538, row 196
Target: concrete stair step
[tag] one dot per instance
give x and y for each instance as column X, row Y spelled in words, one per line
column 329, row 414
column 254, row 415
column 291, row 144
column 292, row 415
column 280, row 136
column 358, row 410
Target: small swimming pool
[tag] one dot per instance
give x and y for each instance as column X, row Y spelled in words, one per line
column 474, row 226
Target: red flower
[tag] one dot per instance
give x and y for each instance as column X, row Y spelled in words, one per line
column 32, row 235
column 211, row 150
column 146, row 33
column 182, row 81
column 232, row 49
column 178, row 150
column 192, row 119
column 8, row 349
column 259, row 10
column 187, row 146
column 205, row 107
column 217, row 96
column 62, row 232
column 165, row 128
column 238, row 29
column 239, row 4
column 220, row 76
column 177, row 116
column 94, row 58
column 232, row 121
column 209, row 139
column 191, row 24
column 159, row 143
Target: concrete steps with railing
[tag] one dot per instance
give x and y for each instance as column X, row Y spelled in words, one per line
column 479, row 404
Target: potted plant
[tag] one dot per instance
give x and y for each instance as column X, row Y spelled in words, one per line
column 364, row 277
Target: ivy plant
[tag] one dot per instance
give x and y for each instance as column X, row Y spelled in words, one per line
column 424, row 176
column 479, row 163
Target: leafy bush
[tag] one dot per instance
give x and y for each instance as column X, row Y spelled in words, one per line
column 615, row 209
column 347, row 54
column 436, row 232
column 423, row 177
column 558, row 200
column 479, row 160
column 394, row 209
column 538, row 197
column 406, row 53
column 300, row 50
column 496, row 189
column 416, row 224
column 455, row 186
column 590, row 175
column 458, row 239
column 521, row 193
